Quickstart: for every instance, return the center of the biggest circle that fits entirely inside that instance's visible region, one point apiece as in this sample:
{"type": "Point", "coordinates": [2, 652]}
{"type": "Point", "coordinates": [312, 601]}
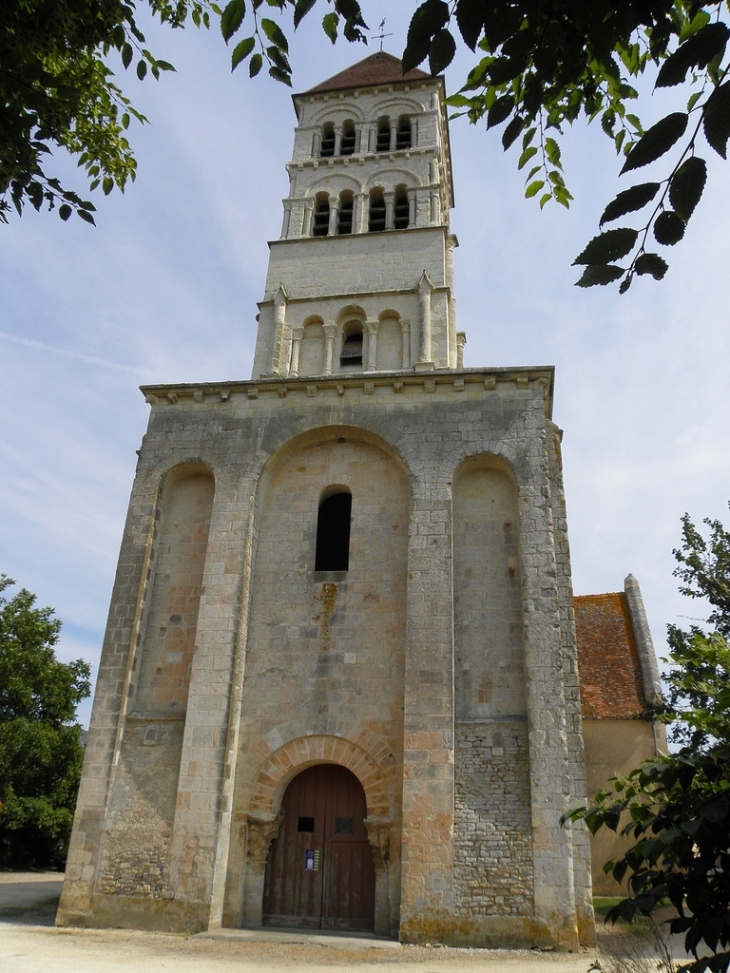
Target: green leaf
{"type": "Point", "coordinates": [86, 216]}
{"type": "Point", "coordinates": [241, 51]}
{"type": "Point", "coordinates": [301, 10]}
{"type": "Point", "coordinates": [500, 110]}
{"type": "Point", "coordinates": [629, 201]}
{"type": "Point", "coordinates": [697, 51]}
{"type": "Point", "coordinates": [534, 188]}
{"type": "Point", "coordinates": [431, 17]}
{"type": "Point", "coordinates": [656, 141]}
{"type": "Point", "coordinates": [443, 49]}
{"type": "Point", "coordinates": [552, 150]}
{"type": "Point", "coordinates": [545, 199]}
{"type": "Point", "coordinates": [65, 211]}
{"type": "Point", "coordinates": [687, 186]}
{"type": "Point", "coordinates": [329, 25]}
{"type": "Point", "coordinates": [668, 228]}
{"type": "Point", "coordinates": [254, 65]}
{"type": "Point", "coordinates": [512, 132]}
{"type": "Point", "coordinates": [127, 55]}
{"type": "Point", "coordinates": [141, 70]}
{"type": "Point", "coordinates": [274, 34]}
{"type": "Point", "coordinates": [278, 75]}
{"type": "Point", "coordinates": [608, 246]}
{"type": "Point", "coordinates": [470, 20]}
{"type": "Point", "coordinates": [526, 156]}
{"type": "Point", "coordinates": [601, 274]}
{"type": "Point", "coordinates": [232, 18]}
{"type": "Point", "coordinates": [651, 263]}
{"type": "Point", "coordinates": [716, 121]}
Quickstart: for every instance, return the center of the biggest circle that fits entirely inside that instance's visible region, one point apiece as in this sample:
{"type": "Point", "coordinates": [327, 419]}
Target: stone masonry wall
{"type": "Point", "coordinates": [493, 873]}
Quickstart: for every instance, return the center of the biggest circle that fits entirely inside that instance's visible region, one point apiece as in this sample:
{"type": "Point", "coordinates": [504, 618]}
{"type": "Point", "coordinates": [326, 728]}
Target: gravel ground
{"type": "Point", "coordinates": [29, 943]}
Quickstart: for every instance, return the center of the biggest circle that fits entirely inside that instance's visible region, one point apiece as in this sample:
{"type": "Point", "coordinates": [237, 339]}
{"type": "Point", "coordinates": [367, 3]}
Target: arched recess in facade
{"type": "Point", "coordinates": [314, 670]}
{"type": "Point", "coordinates": [142, 805]}
{"type": "Point", "coordinates": [493, 854]}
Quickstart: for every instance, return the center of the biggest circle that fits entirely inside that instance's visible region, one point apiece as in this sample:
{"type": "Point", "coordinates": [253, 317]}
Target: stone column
{"type": "Point", "coordinates": [405, 330]}
{"type": "Point", "coordinates": [411, 208]}
{"type": "Point", "coordinates": [338, 139]}
{"type": "Point", "coordinates": [334, 215]}
{"type": "Point", "coordinates": [393, 134]}
{"type": "Point", "coordinates": [414, 132]}
{"type": "Point", "coordinates": [316, 144]}
{"type": "Point", "coordinates": [296, 343]}
{"type": "Point", "coordinates": [389, 198]}
{"type": "Point", "coordinates": [330, 330]}
{"type": "Point", "coordinates": [435, 208]}
{"type": "Point", "coordinates": [307, 221]}
{"type": "Point", "coordinates": [425, 288]}
{"type": "Point", "coordinates": [261, 830]}
{"type": "Point", "coordinates": [379, 837]}
{"type": "Point", "coordinates": [460, 342]}
{"type": "Point", "coordinates": [359, 212]}
{"type": "Point", "coordinates": [286, 221]}
{"type": "Point", "coordinates": [279, 326]}
{"type": "Point", "coordinates": [372, 138]}
{"type": "Point", "coordinates": [371, 327]}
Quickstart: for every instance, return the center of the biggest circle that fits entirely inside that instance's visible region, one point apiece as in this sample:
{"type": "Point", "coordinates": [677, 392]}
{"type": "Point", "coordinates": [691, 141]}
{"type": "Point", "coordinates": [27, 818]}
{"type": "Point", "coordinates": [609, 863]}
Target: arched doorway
{"type": "Point", "coordinates": [320, 873]}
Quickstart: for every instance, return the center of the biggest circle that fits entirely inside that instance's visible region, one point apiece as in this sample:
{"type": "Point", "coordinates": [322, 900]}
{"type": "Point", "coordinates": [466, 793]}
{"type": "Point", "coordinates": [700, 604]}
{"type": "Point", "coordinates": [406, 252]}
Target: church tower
{"type": "Point", "coordinates": [338, 686]}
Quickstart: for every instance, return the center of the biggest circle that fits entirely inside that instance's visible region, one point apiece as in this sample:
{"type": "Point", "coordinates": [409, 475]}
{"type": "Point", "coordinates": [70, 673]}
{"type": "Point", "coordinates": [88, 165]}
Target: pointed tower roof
{"type": "Point", "coordinates": [378, 68]}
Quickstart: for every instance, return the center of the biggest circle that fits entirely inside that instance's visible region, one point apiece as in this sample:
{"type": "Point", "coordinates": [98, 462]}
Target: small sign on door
{"type": "Point", "coordinates": [311, 860]}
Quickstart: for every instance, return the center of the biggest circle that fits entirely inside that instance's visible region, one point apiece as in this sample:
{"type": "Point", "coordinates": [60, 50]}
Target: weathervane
{"type": "Point", "coordinates": [381, 35]}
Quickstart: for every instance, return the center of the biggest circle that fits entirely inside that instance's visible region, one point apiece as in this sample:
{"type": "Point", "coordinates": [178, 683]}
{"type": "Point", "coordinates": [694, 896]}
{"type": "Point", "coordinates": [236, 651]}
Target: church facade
{"type": "Point", "coordinates": [339, 684]}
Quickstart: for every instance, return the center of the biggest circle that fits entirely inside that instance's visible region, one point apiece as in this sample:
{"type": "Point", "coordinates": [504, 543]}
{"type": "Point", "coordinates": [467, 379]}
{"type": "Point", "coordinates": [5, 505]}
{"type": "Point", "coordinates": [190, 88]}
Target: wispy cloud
{"type": "Point", "coordinates": [74, 355]}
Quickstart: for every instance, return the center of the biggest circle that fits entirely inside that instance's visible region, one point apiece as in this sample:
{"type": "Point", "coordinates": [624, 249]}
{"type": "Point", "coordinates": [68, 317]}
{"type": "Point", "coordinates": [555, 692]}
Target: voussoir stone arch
{"type": "Point", "coordinates": [388, 179]}
{"type": "Point", "coordinates": [334, 184]}
{"type": "Point", "coordinates": [294, 756]}
{"type": "Point", "coordinates": [344, 112]}
{"type": "Point", "coordinates": [398, 105]}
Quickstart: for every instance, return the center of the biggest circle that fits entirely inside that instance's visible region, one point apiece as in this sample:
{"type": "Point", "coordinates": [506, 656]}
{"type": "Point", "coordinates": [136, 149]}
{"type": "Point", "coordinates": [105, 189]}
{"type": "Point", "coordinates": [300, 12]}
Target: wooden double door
{"type": "Point", "coordinates": [320, 873]}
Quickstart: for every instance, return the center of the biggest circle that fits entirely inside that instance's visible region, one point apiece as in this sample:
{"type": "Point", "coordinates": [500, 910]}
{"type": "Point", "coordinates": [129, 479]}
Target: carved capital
{"type": "Point", "coordinates": [261, 830]}
{"type": "Point", "coordinates": [379, 837]}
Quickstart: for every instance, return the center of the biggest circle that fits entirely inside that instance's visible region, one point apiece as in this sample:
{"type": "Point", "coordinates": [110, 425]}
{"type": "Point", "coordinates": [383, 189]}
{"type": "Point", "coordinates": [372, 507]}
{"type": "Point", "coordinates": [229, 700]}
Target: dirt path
{"type": "Point", "coordinates": [29, 943]}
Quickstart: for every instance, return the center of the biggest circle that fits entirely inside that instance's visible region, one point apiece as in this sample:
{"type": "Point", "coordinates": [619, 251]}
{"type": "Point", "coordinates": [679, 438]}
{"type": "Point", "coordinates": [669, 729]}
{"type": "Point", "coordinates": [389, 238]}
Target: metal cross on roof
{"type": "Point", "coordinates": [381, 35]}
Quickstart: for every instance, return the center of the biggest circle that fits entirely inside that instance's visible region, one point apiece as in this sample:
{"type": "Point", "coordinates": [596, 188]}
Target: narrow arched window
{"type": "Point", "coordinates": [403, 136]}
{"type": "Point", "coordinates": [347, 146]}
{"type": "Point", "coordinates": [383, 141]}
{"type": "Point", "coordinates": [321, 215]}
{"type": "Point", "coordinates": [351, 354]}
{"type": "Point", "coordinates": [344, 216]}
{"type": "Point", "coordinates": [333, 532]}
{"type": "Point", "coordinates": [376, 220]}
{"type": "Point", "coordinates": [327, 145]}
{"type": "Point", "coordinates": [401, 210]}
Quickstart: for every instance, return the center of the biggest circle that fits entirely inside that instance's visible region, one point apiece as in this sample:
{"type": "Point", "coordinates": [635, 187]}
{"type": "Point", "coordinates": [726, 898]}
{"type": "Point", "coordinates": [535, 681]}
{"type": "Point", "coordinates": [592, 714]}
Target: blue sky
{"type": "Point", "coordinates": [164, 289]}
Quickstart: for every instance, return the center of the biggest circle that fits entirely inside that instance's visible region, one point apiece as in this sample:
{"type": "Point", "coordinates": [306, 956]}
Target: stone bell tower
{"type": "Point", "coordinates": [338, 687]}
{"type": "Point", "coordinates": [341, 295]}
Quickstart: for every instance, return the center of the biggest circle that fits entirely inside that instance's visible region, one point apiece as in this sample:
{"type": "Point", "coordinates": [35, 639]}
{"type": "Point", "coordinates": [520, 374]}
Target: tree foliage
{"type": "Point", "coordinates": [677, 807]}
{"type": "Point", "coordinates": [542, 65]}
{"type": "Point", "coordinates": [40, 750]}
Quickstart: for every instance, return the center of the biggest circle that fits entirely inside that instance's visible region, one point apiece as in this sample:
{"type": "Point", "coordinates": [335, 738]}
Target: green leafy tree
{"type": "Point", "coordinates": [541, 65]}
{"type": "Point", "coordinates": [677, 807]}
{"type": "Point", "coordinates": [40, 750]}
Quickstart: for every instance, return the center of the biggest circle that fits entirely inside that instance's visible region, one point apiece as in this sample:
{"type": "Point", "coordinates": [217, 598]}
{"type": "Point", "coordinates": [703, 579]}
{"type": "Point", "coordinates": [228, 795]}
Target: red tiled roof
{"type": "Point", "coordinates": [611, 684]}
{"type": "Point", "coordinates": [378, 68]}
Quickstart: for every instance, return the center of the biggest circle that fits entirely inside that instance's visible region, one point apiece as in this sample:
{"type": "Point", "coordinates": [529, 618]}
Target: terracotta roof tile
{"type": "Point", "coordinates": [378, 68]}
{"type": "Point", "coordinates": [611, 684]}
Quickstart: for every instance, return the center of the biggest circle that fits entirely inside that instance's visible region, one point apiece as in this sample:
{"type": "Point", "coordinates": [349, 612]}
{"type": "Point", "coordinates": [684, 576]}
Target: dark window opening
{"type": "Point", "coordinates": [352, 350]}
{"type": "Point", "coordinates": [376, 222]}
{"type": "Point", "coordinates": [327, 146]}
{"type": "Point", "coordinates": [344, 217]}
{"type": "Point", "coordinates": [383, 141]}
{"type": "Point", "coordinates": [333, 533]}
{"type": "Point", "coordinates": [305, 824]}
{"type": "Point", "coordinates": [347, 146]}
{"type": "Point", "coordinates": [344, 825]}
{"type": "Point", "coordinates": [401, 214]}
{"type": "Point", "coordinates": [321, 218]}
{"type": "Point", "coordinates": [403, 136]}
